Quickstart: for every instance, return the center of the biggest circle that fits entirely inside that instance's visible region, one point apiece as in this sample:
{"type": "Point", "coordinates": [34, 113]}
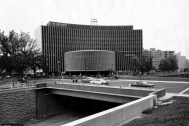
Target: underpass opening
{"type": "Point", "coordinates": [69, 108]}
{"type": "Point", "coordinates": [52, 99]}
{"type": "Point", "coordinates": [88, 106]}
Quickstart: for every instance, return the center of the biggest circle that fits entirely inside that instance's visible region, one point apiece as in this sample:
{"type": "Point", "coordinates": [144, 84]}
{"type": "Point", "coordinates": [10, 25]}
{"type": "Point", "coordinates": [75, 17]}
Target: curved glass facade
{"type": "Point", "coordinates": [59, 38]}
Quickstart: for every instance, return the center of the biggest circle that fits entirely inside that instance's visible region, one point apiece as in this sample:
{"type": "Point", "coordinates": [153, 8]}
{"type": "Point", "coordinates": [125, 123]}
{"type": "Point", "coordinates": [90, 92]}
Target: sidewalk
{"type": "Point", "coordinates": [168, 95]}
{"type": "Point", "coordinates": [184, 93]}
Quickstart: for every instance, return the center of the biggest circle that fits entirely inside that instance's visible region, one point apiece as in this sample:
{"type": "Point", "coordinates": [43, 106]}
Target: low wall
{"type": "Point", "coordinates": [48, 104]}
{"type": "Point", "coordinates": [17, 105]}
{"type": "Point", "coordinates": [116, 116]}
{"type": "Point", "coordinates": [160, 93]}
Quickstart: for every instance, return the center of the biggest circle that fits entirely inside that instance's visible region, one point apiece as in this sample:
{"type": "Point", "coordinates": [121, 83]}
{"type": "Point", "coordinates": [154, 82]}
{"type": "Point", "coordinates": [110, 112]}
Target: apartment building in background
{"type": "Point", "coordinates": [158, 55]}
{"type": "Point", "coordinates": [187, 63]}
{"type": "Point", "coordinates": [166, 54]}
{"type": "Point", "coordinates": [181, 61]}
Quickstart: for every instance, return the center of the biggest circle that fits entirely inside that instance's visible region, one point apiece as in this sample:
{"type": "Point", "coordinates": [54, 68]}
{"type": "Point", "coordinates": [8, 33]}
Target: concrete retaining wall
{"type": "Point", "coordinates": [160, 93]}
{"type": "Point", "coordinates": [116, 116]}
{"type": "Point", "coordinates": [17, 105]}
{"type": "Point", "coordinates": [48, 104]}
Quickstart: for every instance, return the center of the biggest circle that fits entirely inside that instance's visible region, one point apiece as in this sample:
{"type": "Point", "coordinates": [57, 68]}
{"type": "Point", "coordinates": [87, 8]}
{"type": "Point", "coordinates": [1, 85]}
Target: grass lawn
{"type": "Point", "coordinates": [175, 114]}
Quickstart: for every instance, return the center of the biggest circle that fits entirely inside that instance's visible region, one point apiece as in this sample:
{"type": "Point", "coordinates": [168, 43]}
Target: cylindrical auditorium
{"type": "Point", "coordinates": [89, 61]}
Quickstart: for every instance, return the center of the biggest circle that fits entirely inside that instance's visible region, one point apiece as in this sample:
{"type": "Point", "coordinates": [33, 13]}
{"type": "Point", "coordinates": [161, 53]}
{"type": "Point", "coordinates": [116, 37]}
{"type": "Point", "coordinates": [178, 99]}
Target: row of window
{"type": "Point", "coordinates": [90, 33]}
{"type": "Point", "coordinates": [97, 39]}
{"type": "Point", "coordinates": [59, 44]}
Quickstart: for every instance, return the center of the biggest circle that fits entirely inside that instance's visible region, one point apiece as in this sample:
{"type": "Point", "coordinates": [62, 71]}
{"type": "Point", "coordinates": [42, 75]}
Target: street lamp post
{"type": "Point", "coordinates": [85, 66]}
{"type": "Point", "coordinates": [58, 67]}
{"type": "Point", "coordinates": [46, 67]}
{"type": "Point", "coordinates": [87, 69]}
{"type": "Point", "coordinates": [99, 70]}
{"type": "Point", "coordinates": [58, 70]}
{"type": "Point", "coordinates": [13, 77]}
{"type": "Point", "coordinates": [111, 70]}
{"type": "Point", "coordinates": [12, 70]}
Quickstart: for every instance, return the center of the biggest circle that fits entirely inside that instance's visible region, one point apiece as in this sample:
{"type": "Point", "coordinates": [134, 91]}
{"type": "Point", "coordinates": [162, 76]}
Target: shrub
{"type": "Point", "coordinates": [147, 111]}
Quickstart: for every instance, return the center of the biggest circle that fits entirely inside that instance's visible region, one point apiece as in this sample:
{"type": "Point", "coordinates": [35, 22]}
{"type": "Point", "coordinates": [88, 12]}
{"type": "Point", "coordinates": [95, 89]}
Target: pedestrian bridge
{"type": "Point", "coordinates": [100, 92]}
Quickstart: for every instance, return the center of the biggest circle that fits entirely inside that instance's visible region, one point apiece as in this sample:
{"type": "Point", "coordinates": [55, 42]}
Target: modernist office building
{"type": "Point", "coordinates": [58, 38]}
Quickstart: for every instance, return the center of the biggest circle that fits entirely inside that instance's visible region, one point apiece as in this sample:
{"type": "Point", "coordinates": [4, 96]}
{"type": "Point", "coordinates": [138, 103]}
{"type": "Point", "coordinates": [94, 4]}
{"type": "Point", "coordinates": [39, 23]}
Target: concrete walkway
{"type": "Point", "coordinates": [182, 94]}
{"type": "Point", "coordinates": [168, 95]}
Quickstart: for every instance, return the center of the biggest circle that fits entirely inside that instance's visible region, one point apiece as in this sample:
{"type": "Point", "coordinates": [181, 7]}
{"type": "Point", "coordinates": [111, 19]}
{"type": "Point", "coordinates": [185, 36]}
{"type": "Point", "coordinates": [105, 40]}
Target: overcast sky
{"type": "Point", "coordinates": [165, 23]}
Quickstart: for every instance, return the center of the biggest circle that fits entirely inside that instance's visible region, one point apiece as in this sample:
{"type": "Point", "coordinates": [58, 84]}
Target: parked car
{"type": "Point", "coordinates": [26, 77]}
{"type": "Point", "coordinates": [99, 81]}
{"type": "Point", "coordinates": [7, 76]}
{"type": "Point", "coordinates": [22, 80]}
{"type": "Point", "coordinates": [142, 84]}
{"type": "Point", "coordinates": [87, 80]}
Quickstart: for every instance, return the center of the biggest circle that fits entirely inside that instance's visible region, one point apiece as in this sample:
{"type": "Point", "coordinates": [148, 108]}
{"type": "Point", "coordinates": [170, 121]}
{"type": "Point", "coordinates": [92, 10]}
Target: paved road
{"type": "Point", "coordinates": [170, 86]}
{"type": "Point", "coordinates": [57, 120]}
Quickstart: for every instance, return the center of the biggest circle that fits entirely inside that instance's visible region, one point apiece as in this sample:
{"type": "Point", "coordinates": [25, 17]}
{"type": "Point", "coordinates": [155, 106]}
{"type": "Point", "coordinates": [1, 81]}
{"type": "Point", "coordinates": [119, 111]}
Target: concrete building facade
{"type": "Point", "coordinates": [187, 63]}
{"type": "Point", "coordinates": [166, 54]}
{"type": "Point", "coordinates": [181, 60]}
{"type": "Point", "coordinates": [58, 38]}
{"type": "Point", "coordinates": [157, 57]}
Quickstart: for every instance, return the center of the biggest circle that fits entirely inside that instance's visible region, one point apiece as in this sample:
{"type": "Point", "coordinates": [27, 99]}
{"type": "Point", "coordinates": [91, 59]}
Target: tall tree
{"type": "Point", "coordinates": [21, 49]}
{"type": "Point", "coordinates": [37, 61]}
{"type": "Point", "coordinates": [168, 64]}
{"type": "Point", "coordinates": [143, 63]}
{"type": "Point", "coordinates": [186, 69]}
{"type": "Point", "coordinates": [8, 44]}
{"type": "Point", "coordinates": [173, 63]}
{"type": "Point", "coordinates": [5, 66]}
{"type": "Point", "coordinates": [164, 65]}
